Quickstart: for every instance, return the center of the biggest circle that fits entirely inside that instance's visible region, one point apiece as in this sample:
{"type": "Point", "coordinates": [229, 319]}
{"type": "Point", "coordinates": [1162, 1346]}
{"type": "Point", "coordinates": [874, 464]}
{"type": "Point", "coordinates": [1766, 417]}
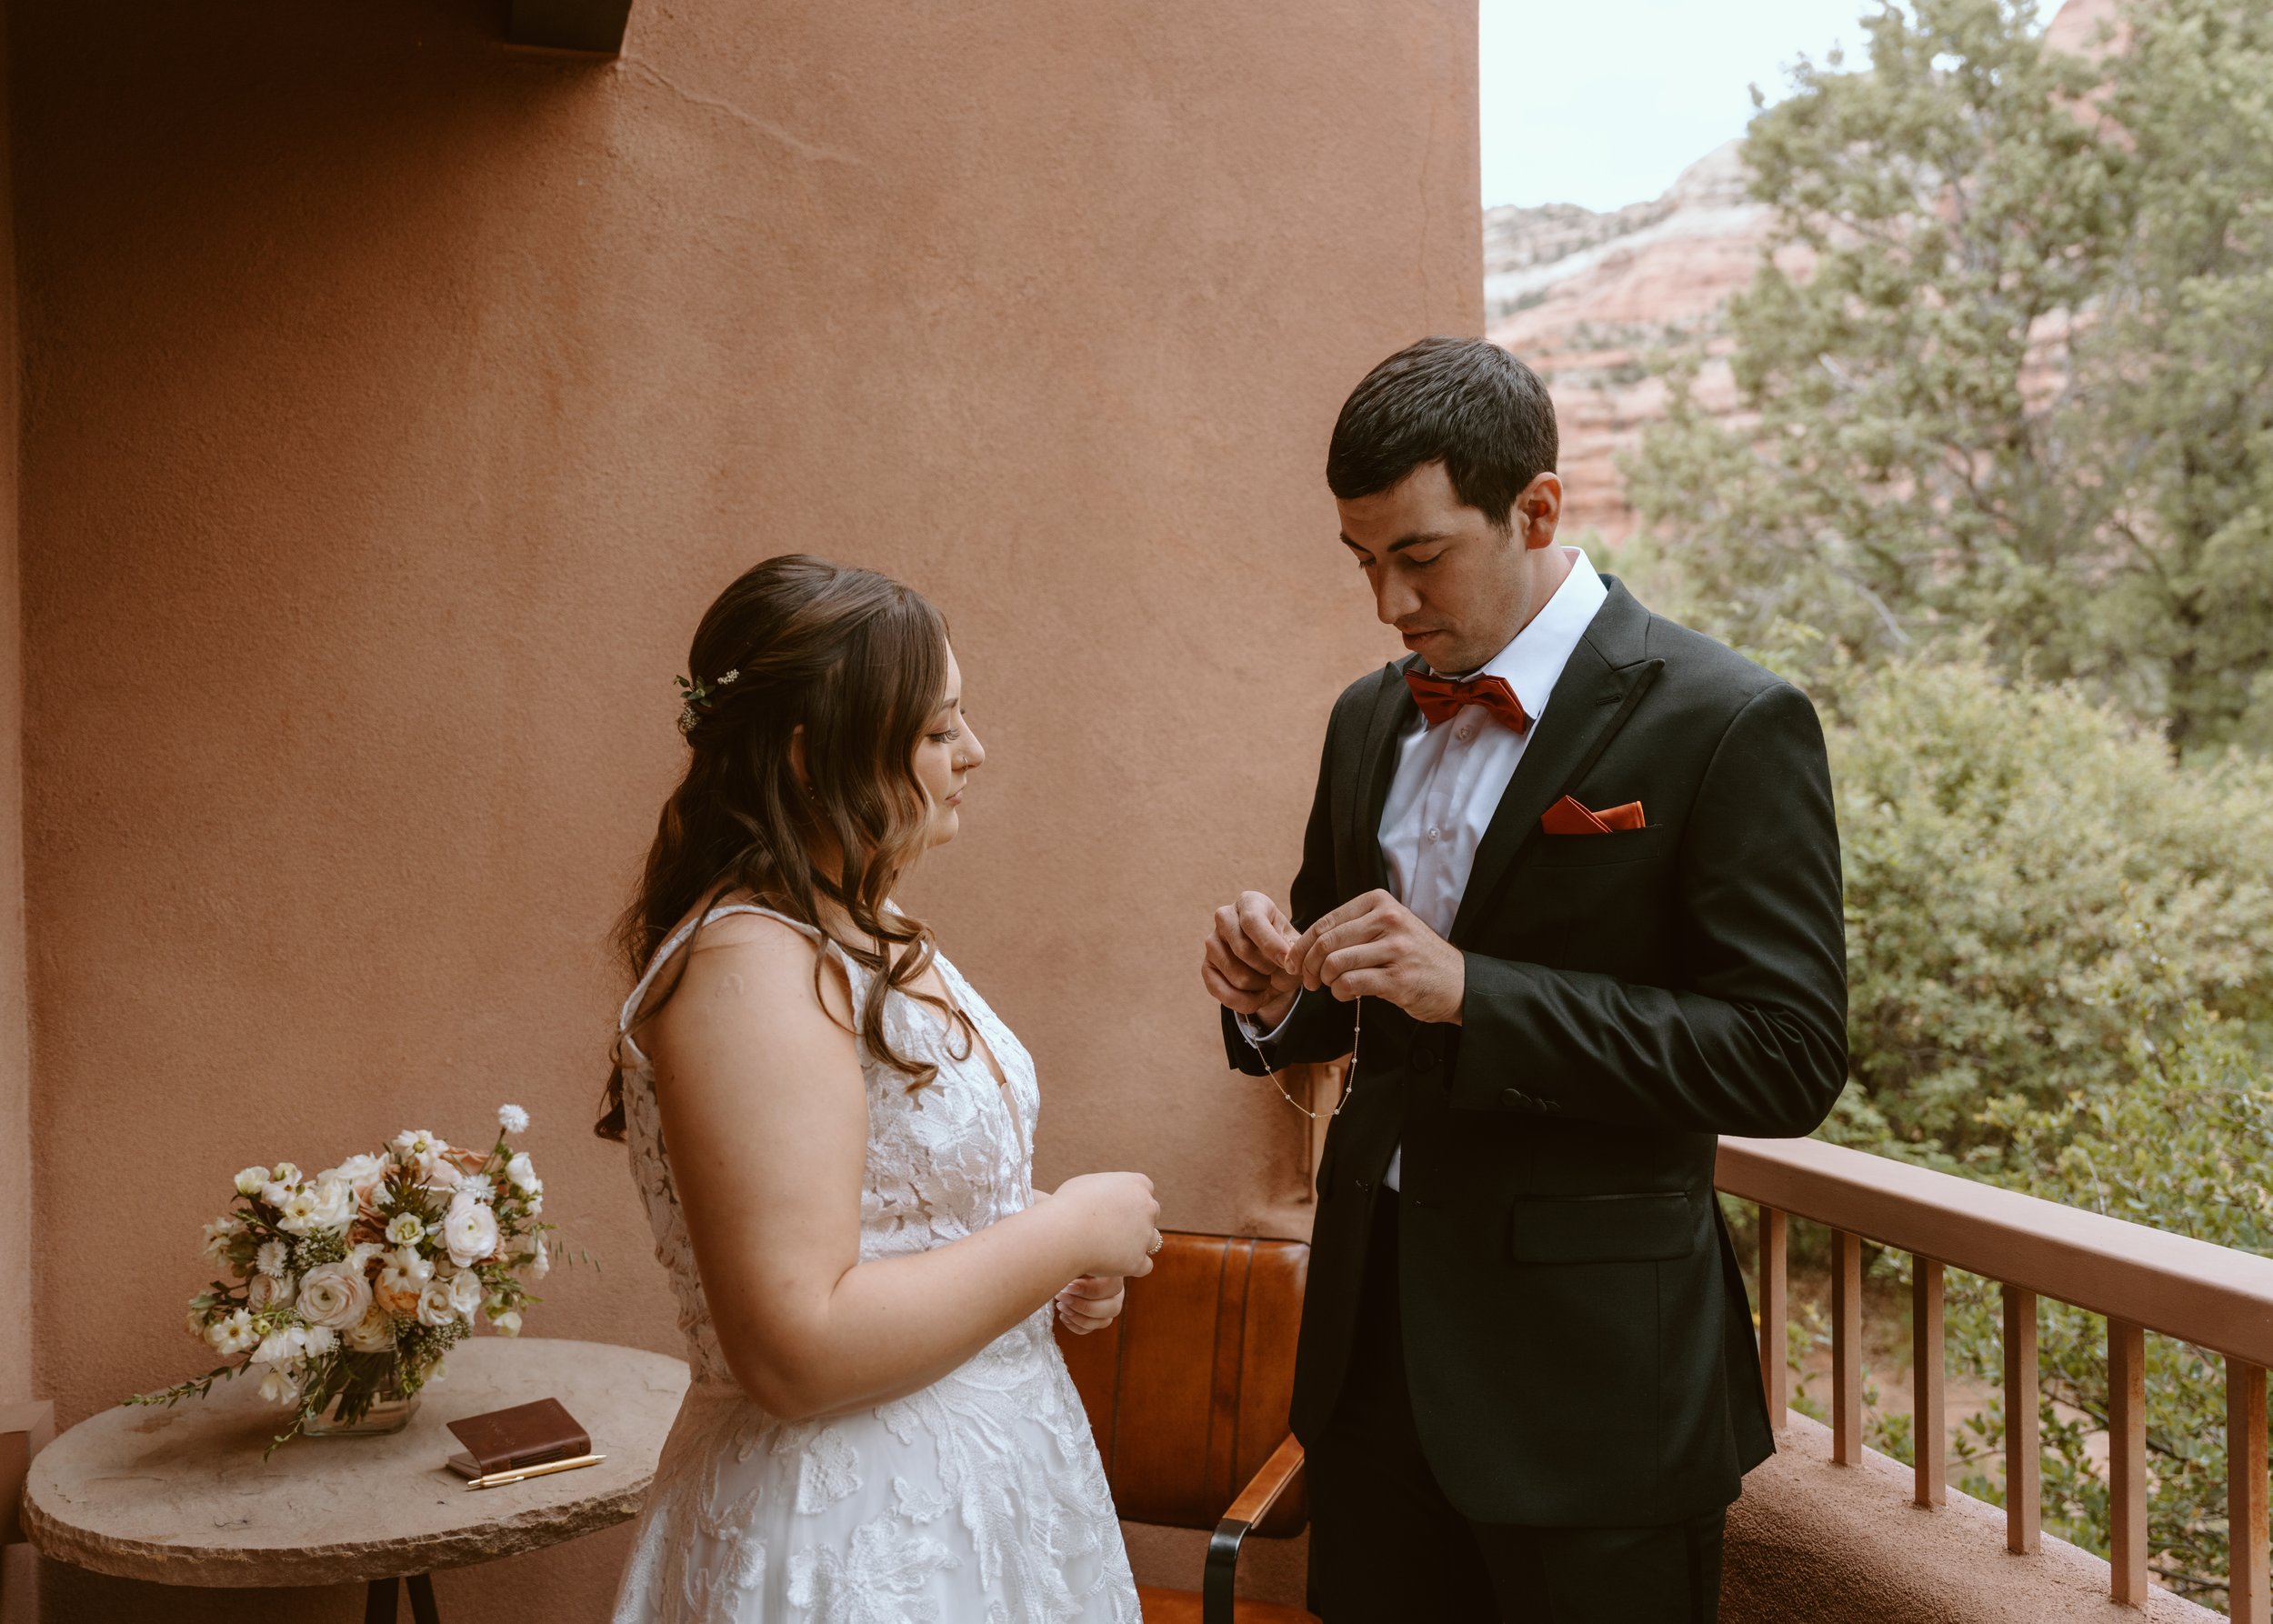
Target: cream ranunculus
{"type": "Point", "coordinates": [334, 1295]}
{"type": "Point", "coordinates": [374, 1333]}
{"type": "Point", "coordinates": [249, 1181]}
{"type": "Point", "coordinates": [361, 1173]}
{"type": "Point", "coordinates": [523, 1172]}
{"type": "Point", "coordinates": [466, 1292]}
{"type": "Point", "coordinates": [435, 1307]}
{"type": "Point", "coordinates": [266, 1290]}
{"type": "Point", "coordinates": [469, 1230]}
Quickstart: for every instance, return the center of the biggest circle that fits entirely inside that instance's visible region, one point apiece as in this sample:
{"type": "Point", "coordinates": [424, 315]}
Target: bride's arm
{"type": "Point", "coordinates": [766, 1119]}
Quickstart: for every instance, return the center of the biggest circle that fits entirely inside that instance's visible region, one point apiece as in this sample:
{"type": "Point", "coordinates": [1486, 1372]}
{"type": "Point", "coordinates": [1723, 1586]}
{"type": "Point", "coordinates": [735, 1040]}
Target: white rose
{"type": "Point", "coordinates": [513, 1118]}
{"type": "Point", "coordinates": [466, 1292]}
{"type": "Point", "coordinates": [523, 1172]}
{"type": "Point", "coordinates": [508, 1323]}
{"type": "Point", "coordinates": [435, 1307]}
{"type": "Point", "coordinates": [249, 1181]}
{"type": "Point", "coordinates": [470, 1232]}
{"type": "Point", "coordinates": [334, 1295]}
{"type": "Point", "coordinates": [279, 1388]}
{"type": "Point", "coordinates": [405, 1229]}
{"type": "Point", "coordinates": [374, 1333]}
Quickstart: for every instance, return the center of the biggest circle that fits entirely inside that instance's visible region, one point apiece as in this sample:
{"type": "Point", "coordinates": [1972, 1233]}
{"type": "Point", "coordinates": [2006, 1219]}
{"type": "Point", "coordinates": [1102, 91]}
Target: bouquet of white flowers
{"type": "Point", "coordinates": [351, 1284]}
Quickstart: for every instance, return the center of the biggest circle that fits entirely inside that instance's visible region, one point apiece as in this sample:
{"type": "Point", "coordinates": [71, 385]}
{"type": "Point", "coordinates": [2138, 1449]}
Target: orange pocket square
{"type": "Point", "coordinates": [1569, 817]}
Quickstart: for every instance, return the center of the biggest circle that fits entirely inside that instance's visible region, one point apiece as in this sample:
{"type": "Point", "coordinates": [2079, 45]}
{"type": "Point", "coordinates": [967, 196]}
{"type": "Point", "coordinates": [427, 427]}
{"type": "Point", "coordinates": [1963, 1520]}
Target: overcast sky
{"type": "Point", "coordinates": [1602, 101]}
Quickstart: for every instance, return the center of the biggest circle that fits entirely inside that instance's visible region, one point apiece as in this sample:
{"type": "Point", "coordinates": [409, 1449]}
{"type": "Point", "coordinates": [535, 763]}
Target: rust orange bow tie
{"type": "Point", "coordinates": [1441, 698]}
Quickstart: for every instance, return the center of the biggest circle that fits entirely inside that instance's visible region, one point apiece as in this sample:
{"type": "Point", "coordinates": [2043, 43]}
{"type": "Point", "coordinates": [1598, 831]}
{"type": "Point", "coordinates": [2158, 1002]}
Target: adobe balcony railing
{"type": "Point", "coordinates": [2141, 1280]}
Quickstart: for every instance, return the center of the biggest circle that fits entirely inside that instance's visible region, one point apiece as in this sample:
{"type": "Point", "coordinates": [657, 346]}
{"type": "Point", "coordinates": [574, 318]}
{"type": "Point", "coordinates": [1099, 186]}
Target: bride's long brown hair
{"type": "Point", "coordinates": [860, 662]}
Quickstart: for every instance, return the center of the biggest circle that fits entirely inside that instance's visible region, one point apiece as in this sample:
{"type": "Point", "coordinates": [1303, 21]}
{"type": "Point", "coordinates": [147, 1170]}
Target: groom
{"type": "Point", "coordinates": [1572, 880]}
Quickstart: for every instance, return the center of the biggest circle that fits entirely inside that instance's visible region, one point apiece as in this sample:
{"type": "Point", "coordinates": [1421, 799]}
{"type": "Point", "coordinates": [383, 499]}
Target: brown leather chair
{"type": "Point", "coordinates": [1188, 1394]}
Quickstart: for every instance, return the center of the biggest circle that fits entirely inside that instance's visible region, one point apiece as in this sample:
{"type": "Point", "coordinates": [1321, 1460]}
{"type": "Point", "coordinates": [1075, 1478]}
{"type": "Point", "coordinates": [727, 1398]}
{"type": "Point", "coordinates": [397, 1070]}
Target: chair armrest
{"type": "Point", "coordinates": [1280, 1473]}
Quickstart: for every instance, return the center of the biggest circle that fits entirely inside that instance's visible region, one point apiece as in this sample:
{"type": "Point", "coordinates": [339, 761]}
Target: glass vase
{"type": "Point", "coordinates": [365, 1412]}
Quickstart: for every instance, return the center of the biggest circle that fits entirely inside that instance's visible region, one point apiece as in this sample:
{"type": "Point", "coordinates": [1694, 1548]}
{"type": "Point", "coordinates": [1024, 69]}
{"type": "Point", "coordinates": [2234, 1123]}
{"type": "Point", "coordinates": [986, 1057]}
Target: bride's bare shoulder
{"type": "Point", "coordinates": [740, 961]}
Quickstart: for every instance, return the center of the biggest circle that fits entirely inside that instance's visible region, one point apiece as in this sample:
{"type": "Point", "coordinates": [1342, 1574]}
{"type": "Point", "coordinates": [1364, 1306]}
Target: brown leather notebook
{"type": "Point", "coordinates": [504, 1440]}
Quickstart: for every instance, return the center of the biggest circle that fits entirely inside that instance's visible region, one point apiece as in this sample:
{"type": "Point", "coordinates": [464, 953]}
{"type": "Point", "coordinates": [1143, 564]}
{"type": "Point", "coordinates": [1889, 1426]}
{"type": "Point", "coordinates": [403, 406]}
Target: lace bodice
{"type": "Point", "coordinates": [943, 1160]}
{"type": "Point", "coordinates": [978, 1499]}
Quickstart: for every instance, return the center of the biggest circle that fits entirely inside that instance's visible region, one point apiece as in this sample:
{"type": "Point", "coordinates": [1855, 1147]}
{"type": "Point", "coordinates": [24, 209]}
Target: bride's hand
{"type": "Point", "coordinates": [1117, 1217]}
{"type": "Point", "coordinates": [1091, 1303]}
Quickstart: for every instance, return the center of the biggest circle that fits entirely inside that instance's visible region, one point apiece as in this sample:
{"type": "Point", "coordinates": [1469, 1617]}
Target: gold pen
{"type": "Point", "coordinates": [496, 1479]}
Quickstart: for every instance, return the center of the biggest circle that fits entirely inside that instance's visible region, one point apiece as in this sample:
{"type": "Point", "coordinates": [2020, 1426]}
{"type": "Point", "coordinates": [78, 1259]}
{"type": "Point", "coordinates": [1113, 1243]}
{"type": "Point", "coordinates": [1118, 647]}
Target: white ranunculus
{"type": "Point", "coordinates": [523, 1172]}
{"type": "Point", "coordinates": [469, 1230]}
{"type": "Point", "coordinates": [234, 1334]}
{"type": "Point", "coordinates": [359, 1172]}
{"type": "Point", "coordinates": [249, 1181]}
{"type": "Point", "coordinates": [508, 1323]}
{"type": "Point", "coordinates": [279, 1388]}
{"type": "Point", "coordinates": [466, 1292]}
{"type": "Point", "coordinates": [374, 1333]}
{"type": "Point", "coordinates": [435, 1307]}
{"type": "Point", "coordinates": [513, 1118]}
{"type": "Point", "coordinates": [265, 1291]}
{"type": "Point", "coordinates": [334, 1295]}
{"type": "Point", "coordinates": [335, 1205]}
{"type": "Point", "coordinates": [405, 1229]}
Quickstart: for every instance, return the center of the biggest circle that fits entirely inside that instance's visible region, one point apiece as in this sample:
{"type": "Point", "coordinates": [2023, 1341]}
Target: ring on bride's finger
{"type": "Point", "coordinates": [1158, 1240]}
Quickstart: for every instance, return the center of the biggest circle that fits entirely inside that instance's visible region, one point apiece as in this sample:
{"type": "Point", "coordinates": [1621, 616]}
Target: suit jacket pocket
{"type": "Point", "coordinates": [1603, 1230]}
{"type": "Point", "coordinates": [1588, 851]}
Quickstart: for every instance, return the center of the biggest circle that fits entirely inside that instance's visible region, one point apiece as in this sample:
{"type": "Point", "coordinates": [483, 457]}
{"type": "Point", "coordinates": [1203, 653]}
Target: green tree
{"type": "Point", "coordinates": [2007, 372]}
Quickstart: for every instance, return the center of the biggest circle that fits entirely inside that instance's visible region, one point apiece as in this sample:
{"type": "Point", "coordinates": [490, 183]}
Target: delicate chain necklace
{"type": "Point", "coordinates": [1349, 1078]}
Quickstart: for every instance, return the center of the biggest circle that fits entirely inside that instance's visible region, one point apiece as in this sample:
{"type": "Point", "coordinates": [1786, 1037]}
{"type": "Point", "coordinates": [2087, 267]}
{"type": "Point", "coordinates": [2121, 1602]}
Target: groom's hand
{"type": "Point", "coordinates": [1374, 947]}
{"type": "Point", "coordinates": [1245, 964]}
{"type": "Point", "coordinates": [1091, 1303]}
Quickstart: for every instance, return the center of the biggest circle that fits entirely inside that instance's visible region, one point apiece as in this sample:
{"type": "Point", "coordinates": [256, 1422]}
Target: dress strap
{"type": "Point", "coordinates": [679, 938]}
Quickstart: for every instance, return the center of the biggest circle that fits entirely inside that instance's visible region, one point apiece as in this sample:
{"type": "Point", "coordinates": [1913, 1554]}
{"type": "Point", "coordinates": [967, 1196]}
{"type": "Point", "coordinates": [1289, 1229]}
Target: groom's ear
{"type": "Point", "coordinates": [1538, 510]}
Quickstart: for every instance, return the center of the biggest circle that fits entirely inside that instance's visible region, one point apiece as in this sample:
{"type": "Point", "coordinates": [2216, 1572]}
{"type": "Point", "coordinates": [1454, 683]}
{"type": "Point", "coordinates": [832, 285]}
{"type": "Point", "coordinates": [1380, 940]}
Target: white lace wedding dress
{"type": "Point", "coordinates": [979, 1499]}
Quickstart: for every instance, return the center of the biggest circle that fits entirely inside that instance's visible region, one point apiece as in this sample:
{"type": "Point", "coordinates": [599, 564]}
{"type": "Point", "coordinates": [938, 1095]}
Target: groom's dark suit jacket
{"type": "Point", "coordinates": [1576, 1337]}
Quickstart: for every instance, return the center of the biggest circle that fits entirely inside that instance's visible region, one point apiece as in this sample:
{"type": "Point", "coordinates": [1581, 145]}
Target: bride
{"type": "Point", "coordinates": [833, 1138]}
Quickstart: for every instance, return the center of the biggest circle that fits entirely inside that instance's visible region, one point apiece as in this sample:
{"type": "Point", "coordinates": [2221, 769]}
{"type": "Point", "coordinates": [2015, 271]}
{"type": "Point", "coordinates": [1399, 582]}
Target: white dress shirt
{"type": "Point", "coordinates": [1450, 778]}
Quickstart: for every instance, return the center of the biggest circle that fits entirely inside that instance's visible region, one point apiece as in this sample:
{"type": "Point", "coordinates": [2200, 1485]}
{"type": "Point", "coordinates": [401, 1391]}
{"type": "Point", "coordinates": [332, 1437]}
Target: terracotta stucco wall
{"type": "Point", "coordinates": [16, 1079]}
{"type": "Point", "coordinates": [393, 403]}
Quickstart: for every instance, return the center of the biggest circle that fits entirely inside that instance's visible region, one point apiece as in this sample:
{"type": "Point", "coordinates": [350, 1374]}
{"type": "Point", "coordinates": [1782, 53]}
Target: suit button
{"type": "Point", "coordinates": [1364, 1186]}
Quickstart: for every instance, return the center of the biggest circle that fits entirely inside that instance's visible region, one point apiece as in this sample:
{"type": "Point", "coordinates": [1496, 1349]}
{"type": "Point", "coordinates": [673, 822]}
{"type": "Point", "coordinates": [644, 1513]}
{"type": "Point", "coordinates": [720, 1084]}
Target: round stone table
{"type": "Point", "coordinates": [181, 1497]}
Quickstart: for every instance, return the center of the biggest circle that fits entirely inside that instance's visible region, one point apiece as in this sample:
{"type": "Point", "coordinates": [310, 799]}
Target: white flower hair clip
{"type": "Point", "coordinates": [695, 697]}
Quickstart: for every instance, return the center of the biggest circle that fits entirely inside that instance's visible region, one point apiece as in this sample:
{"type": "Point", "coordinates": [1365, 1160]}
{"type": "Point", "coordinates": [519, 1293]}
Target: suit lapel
{"type": "Point", "coordinates": [1393, 708]}
{"type": "Point", "coordinates": [1604, 678]}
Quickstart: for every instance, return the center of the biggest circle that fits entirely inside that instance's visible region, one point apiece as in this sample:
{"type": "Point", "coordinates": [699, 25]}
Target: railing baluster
{"type": "Point", "coordinates": [1847, 1348]}
{"type": "Point", "coordinates": [2023, 1470]}
{"type": "Point", "coordinates": [2127, 1462]}
{"type": "Point", "coordinates": [1931, 1430]}
{"type": "Point", "coordinates": [2246, 1555]}
{"type": "Point", "coordinates": [1775, 1375]}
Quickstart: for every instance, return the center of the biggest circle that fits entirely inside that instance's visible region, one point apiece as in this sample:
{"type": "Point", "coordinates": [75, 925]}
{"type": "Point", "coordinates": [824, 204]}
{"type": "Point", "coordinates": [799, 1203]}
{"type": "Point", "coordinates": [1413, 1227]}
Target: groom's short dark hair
{"type": "Point", "coordinates": [1463, 402]}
